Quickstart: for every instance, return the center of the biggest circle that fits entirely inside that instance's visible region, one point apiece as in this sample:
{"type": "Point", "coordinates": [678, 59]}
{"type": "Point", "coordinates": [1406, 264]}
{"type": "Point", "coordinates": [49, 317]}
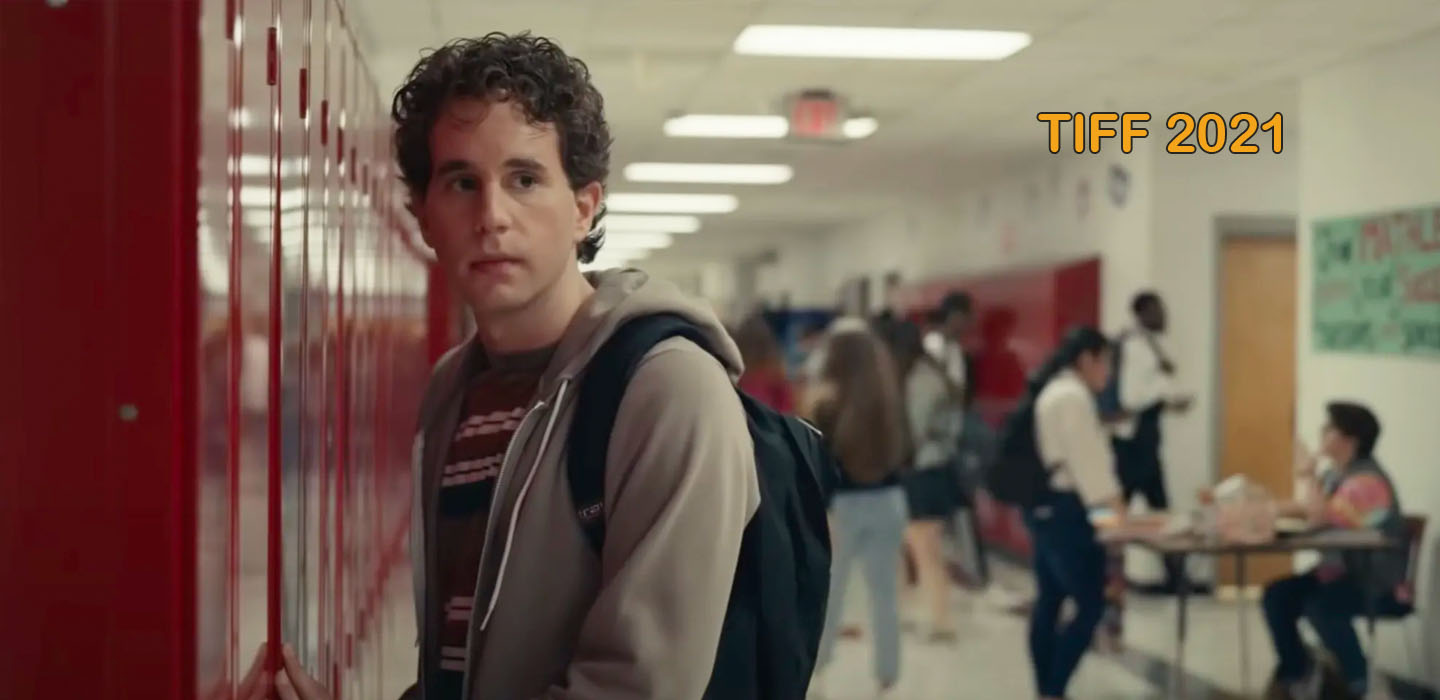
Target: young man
{"type": "Point", "coordinates": [949, 324]}
{"type": "Point", "coordinates": [503, 143]}
{"type": "Point", "coordinates": [1146, 382]}
{"type": "Point", "coordinates": [1354, 493]}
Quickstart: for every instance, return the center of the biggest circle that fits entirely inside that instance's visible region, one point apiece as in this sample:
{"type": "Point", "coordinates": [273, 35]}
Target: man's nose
{"type": "Point", "coordinates": [494, 213]}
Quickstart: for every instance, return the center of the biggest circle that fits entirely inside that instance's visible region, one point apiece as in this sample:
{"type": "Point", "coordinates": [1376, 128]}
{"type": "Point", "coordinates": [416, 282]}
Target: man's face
{"type": "Point", "coordinates": [498, 211]}
{"type": "Point", "coordinates": [957, 324]}
{"type": "Point", "coordinates": [1153, 317]}
{"type": "Point", "coordinates": [1335, 445]}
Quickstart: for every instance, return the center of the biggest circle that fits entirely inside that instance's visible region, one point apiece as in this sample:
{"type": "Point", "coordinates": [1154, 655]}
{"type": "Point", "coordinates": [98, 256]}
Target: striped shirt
{"type": "Point", "coordinates": [494, 406]}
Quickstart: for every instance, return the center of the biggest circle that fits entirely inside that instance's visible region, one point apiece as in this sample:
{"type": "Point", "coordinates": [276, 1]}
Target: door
{"type": "Point", "coordinates": [1257, 376]}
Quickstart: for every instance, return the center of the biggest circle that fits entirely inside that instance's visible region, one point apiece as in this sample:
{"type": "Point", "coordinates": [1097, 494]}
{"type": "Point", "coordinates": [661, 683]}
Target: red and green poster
{"type": "Point", "coordinates": [1377, 283]}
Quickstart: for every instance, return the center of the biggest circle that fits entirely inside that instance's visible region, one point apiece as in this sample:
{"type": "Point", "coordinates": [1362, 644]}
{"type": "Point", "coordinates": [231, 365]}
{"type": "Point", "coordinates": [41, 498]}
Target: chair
{"type": "Point", "coordinates": [1403, 605]}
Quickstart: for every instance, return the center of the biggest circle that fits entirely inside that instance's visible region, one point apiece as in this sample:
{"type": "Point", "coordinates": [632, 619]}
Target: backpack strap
{"type": "Point", "coordinates": [601, 389]}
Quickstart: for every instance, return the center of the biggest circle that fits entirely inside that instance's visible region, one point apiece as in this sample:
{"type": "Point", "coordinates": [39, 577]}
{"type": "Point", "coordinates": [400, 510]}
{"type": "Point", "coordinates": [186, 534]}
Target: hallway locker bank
{"type": "Point", "coordinates": [216, 321]}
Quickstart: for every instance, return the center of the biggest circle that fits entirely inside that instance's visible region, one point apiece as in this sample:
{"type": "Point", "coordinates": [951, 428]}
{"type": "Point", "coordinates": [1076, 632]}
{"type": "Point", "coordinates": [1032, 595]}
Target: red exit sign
{"type": "Point", "coordinates": [816, 114]}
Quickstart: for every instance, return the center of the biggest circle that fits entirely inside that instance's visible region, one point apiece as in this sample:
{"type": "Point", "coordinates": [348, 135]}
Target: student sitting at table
{"type": "Point", "coordinates": [1355, 493]}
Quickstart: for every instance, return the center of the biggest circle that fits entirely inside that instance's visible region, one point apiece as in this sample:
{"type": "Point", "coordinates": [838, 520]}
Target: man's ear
{"type": "Point", "coordinates": [587, 204]}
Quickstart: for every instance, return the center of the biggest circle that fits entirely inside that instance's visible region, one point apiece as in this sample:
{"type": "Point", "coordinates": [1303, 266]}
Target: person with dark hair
{"type": "Point", "coordinates": [1355, 492]}
{"type": "Point", "coordinates": [932, 403]}
{"type": "Point", "coordinates": [1069, 561]}
{"type": "Point", "coordinates": [858, 408]}
{"type": "Point", "coordinates": [1145, 388]}
{"type": "Point", "coordinates": [765, 377]}
{"type": "Point", "coordinates": [949, 322]}
{"type": "Point", "coordinates": [503, 145]}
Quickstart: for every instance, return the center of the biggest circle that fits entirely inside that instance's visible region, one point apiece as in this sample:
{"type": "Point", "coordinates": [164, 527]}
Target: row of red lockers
{"type": "Point", "coordinates": [212, 372]}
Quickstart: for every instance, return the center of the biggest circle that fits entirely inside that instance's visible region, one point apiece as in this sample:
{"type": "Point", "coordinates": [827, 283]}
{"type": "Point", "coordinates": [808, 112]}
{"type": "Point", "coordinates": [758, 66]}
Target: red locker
{"type": "Point", "coordinates": [223, 332]}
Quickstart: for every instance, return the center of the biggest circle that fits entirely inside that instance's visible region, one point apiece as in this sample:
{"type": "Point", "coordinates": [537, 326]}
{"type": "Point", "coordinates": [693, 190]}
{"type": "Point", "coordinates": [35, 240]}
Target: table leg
{"type": "Point", "coordinates": [1182, 598]}
{"type": "Point", "coordinates": [1244, 628]}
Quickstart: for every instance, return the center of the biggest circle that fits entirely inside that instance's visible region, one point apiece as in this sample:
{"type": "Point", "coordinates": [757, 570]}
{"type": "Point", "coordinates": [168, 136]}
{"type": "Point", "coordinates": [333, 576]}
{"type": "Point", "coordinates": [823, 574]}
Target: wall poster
{"type": "Point", "coordinates": [1377, 283]}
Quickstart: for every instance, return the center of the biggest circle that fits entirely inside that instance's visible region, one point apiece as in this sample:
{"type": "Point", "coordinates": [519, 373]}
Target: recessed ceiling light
{"type": "Point", "coordinates": [656, 223]}
{"type": "Point", "coordinates": [752, 126]}
{"type": "Point", "coordinates": [732, 126]}
{"type": "Point", "coordinates": [860, 127]}
{"type": "Point", "coordinates": [672, 203]}
{"type": "Point", "coordinates": [710, 173]}
{"type": "Point", "coordinates": [879, 42]}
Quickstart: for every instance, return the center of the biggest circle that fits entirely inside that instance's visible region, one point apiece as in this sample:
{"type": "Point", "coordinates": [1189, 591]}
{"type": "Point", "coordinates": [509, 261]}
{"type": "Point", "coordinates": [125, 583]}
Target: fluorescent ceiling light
{"type": "Point", "coordinates": [751, 126]}
{"type": "Point", "coordinates": [263, 196]}
{"type": "Point", "coordinates": [636, 240]}
{"type": "Point", "coordinates": [879, 42]}
{"type": "Point", "coordinates": [710, 173]}
{"type": "Point", "coordinates": [658, 223]}
{"type": "Point", "coordinates": [860, 127]}
{"type": "Point", "coordinates": [672, 203]}
{"type": "Point", "coordinates": [731, 126]}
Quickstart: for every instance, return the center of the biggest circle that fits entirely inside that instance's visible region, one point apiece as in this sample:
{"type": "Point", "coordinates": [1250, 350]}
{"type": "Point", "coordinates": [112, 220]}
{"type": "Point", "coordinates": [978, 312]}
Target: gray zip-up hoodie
{"type": "Point", "coordinates": [551, 619]}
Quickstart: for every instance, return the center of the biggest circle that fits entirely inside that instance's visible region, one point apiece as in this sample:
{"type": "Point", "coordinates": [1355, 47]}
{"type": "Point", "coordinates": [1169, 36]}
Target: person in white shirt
{"type": "Point", "coordinates": [1146, 385]}
{"type": "Point", "coordinates": [949, 323]}
{"type": "Point", "coordinates": [1069, 561]}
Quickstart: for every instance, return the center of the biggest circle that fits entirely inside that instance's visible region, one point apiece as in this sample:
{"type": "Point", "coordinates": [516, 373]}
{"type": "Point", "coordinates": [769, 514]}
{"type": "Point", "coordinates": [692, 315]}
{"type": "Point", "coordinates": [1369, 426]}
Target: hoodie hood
{"type": "Point", "coordinates": [621, 295]}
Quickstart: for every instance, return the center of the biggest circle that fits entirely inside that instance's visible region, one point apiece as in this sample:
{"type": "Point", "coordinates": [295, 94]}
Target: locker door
{"type": "Point", "coordinates": [252, 246]}
{"type": "Point", "coordinates": [215, 654]}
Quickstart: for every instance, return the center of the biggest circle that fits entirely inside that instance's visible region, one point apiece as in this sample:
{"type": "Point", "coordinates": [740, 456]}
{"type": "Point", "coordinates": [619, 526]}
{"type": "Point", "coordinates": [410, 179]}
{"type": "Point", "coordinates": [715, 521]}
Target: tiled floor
{"type": "Point", "coordinates": [989, 660]}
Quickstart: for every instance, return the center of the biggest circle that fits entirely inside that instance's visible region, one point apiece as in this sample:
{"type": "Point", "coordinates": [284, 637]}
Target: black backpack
{"type": "Point", "coordinates": [776, 613]}
{"type": "Point", "coordinates": [1016, 474]}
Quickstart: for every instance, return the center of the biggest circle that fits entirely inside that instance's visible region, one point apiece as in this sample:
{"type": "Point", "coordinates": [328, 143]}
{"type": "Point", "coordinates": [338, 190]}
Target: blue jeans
{"type": "Point", "coordinates": [870, 529]}
{"type": "Point", "coordinates": [1069, 563]}
{"type": "Point", "coordinates": [1330, 608]}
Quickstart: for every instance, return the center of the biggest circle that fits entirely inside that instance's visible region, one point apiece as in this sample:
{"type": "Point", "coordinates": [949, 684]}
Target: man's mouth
{"type": "Point", "coordinates": [492, 263]}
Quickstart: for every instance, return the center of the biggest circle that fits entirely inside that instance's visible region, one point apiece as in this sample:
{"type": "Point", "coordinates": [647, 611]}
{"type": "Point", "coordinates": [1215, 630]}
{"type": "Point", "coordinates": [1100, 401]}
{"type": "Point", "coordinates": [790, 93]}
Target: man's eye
{"type": "Point", "coordinates": [525, 181]}
{"type": "Point", "coordinates": [463, 184]}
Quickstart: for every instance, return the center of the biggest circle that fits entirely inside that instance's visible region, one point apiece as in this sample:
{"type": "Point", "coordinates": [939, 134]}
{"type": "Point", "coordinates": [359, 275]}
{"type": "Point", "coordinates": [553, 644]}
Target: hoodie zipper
{"type": "Point", "coordinates": [519, 438]}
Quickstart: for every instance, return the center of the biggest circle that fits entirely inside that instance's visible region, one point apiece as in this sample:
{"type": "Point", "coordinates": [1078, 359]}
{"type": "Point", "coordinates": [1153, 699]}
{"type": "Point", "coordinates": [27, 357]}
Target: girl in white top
{"type": "Point", "coordinates": [1069, 562]}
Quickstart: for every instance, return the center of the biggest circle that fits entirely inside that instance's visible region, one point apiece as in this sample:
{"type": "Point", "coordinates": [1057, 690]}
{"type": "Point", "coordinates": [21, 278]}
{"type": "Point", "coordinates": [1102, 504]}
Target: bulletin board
{"type": "Point", "coordinates": [1377, 283]}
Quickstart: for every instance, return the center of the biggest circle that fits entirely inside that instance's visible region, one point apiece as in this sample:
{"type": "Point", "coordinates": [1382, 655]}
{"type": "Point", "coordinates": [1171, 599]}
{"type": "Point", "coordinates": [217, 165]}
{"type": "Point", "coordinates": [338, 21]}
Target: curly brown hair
{"type": "Point", "coordinates": [549, 86]}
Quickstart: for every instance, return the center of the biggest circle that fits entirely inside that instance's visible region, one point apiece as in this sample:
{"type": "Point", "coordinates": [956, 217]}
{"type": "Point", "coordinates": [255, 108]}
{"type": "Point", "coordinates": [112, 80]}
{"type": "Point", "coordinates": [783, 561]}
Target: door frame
{"type": "Point", "coordinates": [1229, 227]}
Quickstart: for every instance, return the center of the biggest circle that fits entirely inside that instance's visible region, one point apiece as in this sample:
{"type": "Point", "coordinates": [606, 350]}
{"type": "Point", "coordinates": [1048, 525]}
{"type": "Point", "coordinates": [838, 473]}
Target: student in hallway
{"type": "Point", "coordinates": [1354, 493]}
{"type": "Point", "coordinates": [936, 419]}
{"type": "Point", "coordinates": [1069, 561]}
{"type": "Point", "coordinates": [765, 377]}
{"type": "Point", "coordinates": [949, 324]}
{"type": "Point", "coordinates": [858, 408]}
{"type": "Point", "coordinates": [503, 144]}
{"type": "Point", "coordinates": [1146, 391]}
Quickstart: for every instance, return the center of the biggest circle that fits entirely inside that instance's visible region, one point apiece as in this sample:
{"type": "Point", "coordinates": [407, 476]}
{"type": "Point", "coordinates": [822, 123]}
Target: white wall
{"type": "Point", "coordinates": [1030, 217]}
{"type": "Point", "coordinates": [1371, 144]}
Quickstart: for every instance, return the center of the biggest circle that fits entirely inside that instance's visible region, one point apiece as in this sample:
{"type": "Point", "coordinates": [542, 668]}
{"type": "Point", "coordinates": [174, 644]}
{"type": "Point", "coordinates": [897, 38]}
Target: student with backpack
{"type": "Point", "coordinates": [598, 512]}
{"type": "Point", "coordinates": [858, 408]}
{"type": "Point", "coordinates": [1055, 463]}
